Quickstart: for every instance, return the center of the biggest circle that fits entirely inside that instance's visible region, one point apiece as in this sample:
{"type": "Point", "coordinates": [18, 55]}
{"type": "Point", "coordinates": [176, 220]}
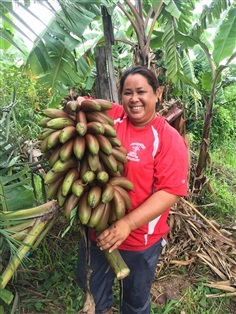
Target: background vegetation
{"type": "Point", "coordinates": [191, 51]}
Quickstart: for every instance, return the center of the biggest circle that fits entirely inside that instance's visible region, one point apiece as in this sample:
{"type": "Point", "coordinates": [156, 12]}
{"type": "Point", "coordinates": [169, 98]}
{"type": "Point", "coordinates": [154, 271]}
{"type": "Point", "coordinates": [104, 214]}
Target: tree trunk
{"type": "Point", "coordinates": [102, 82]}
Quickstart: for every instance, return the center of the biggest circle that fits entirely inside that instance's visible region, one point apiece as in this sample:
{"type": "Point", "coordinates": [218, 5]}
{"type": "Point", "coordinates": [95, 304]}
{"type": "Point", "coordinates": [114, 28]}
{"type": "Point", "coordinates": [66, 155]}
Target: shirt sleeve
{"type": "Point", "coordinates": [171, 163]}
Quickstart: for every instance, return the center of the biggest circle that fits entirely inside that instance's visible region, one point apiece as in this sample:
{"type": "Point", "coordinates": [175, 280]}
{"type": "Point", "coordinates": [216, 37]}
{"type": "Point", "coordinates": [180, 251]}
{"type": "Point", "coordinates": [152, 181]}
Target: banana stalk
{"type": "Point", "coordinates": [117, 264]}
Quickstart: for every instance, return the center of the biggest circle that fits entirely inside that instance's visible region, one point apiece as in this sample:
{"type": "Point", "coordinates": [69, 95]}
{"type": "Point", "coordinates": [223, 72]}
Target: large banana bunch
{"type": "Point", "coordinates": [87, 162]}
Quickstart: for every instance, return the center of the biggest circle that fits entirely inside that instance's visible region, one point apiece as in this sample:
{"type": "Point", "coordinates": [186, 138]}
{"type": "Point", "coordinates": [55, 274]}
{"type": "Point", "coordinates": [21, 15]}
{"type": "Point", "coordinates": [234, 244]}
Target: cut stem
{"type": "Point", "coordinates": [117, 264]}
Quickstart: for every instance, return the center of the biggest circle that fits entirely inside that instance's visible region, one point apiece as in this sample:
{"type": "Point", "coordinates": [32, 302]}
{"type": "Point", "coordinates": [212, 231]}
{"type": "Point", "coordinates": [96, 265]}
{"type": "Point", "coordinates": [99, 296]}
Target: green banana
{"type": "Point", "coordinates": [92, 143]}
{"type": "Point", "coordinates": [94, 127]}
{"type": "Point", "coordinates": [78, 188]}
{"type": "Point", "coordinates": [71, 176]}
{"type": "Point", "coordinates": [44, 145]}
{"type": "Point", "coordinates": [108, 191]}
{"type": "Point", "coordinates": [60, 165]}
{"type": "Point", "coordinates": [88, 177]}
{"type": "Point", "coordinates": [67, 133]}
{"type": "Point", "coordinates": [119, 155]}
{"type": "Point", "coordinates": [109, 161]}
{"type": "Point", "coordinates": [54, 113]}
{"type": "Point", "coordinates": [52, 189]}
{"type": "Point", "coordinates": [81, 128]}
{"type": "Point", "coordinates": [104, 220]}
{"type": "Point", "coordinates": [66, 151]}
{"type": "Point", "coordinates": [102, 177]}
{"type": "Point", "coordinates": [43, 122]}
{"type": "Point", "coordinates": [114, 141]}
{"type": "Point", "coordinates": [53, 139]}
{"type": "Point", "coordinates": [123, 182]}
{"type": "Point", "coordinates": [93, 161]}
{"type": "Point", "coordinates": [83, 209]}
{"type": "Point", "coordinates": [52, 176]}
{"type": "Point", "coordinates": [118, 204]}
{"type": "Point", "coordinates": [104, 144]}
{"type": "Point", "coordinates": [70, 203]}
{"type": "Point", "coordinates": [61, 199]}
{"type": "Point", "coordinates": [109, 130]}
{"type": "Point", "coordinates": [96, 215]}
{"type": "Point", "coordinates": [45, 133]}
{"type": "Point", "coordinates": [94, 196]}
{"type": "Point", "coordinates": [54, 156]}
{"type": "Point", "coordinates": [60, 123]}
{"type": "Point", "coordinates": [90, 105]}
{"type": "Point", "coordinates": [79, 147]}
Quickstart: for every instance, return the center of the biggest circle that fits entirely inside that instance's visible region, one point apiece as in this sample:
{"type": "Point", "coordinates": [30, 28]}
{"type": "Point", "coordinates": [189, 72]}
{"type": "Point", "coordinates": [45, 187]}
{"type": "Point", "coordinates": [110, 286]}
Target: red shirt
{"type": "Point", "coordinates": [157, 160]}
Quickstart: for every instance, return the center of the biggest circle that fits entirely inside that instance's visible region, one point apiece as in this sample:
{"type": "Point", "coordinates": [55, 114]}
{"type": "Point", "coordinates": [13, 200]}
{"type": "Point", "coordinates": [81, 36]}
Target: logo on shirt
{"type": "Point", "coordinates": [136, 148]}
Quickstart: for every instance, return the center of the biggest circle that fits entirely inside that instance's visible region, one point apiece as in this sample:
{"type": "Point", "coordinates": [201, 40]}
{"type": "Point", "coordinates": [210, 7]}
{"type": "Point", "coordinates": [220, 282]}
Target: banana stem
{"type": "Point", "coordinates": [38, 211]}
{"type": "Point", "coordinates": [117, 263]}
{"type": "Point", "coordinates": [22, 251]}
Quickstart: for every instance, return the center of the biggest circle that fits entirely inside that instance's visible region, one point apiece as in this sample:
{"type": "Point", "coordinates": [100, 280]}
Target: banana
{"type": "Point", "coordinates": [114, 141]}
{"type": "Point", "coordinates": [93, 161]}
{"type": "Point", "coordinates": [121, 167]}
{"type": "Point", "coordinates": [102, 177]}
{"type": "Point", "coordinates": [90, 105]}
{"type": "Point", "coordinates": [54, 156]}
{"type": "Point", "coordinates": [118, 204]}
{"type": "Point", "coordinates": [60, 198]}
{"type": "Point", "coordinates": [81, 117]}
{"type": "Point", "coordinates": [71, 176]}
{"type": "Point", "coordinates": [71, 107]}
{"type": "Point", "coordinates": [103, 222]}
{"type": "Point", "coordinates": [79, 147]}
{"type": "Point", "coordinates": [81, 128]}
{"type": "Point", "coordinates": [94, 127]}
{"type": "Point", "coordinates": [53, 139]}
{"type": "Point", "coordinates": [96, 215]}
{"type": "Point", "coordinates": [44, 146]}
{"type": "Point", "coordinates": [78, 188]}
{"type": "Point", "coordinates": [104, 144]}
{"type": "Point", "coordinates": [54, 113]}
{"type": "Point", "coordinates": [106, 117]}
{"type": "Point", "coordinates": [67, 133]}
{"type": "Point", "coordinates": [108, 191]}
{"type": "Point", "coordinates": [105, 104]}
{"type": "Point", "coordinates": [112, 216]}
{"type": "Point", "coordinates": [92, 143]}
{"type": "Point", "coordinates": [66, 150]}
{"type": "Point", "coordinates": [70, 203]}
{"type": "Point", "coordinates": [60, 123]}
{"type": "Point", "coordinates": [52, 176]}
{"type": "Point", "coordinates": [119, 155]}
{"type": "Point", "coordinates": [88, 177]}
{"type": "Point", "coordinates": [125, 195]}
{"type": "Point", "coordinates": [43, 122]}
{"type": "Point", "coordinates": [95, 116]}
{"type": "Point", "coordinates": [108, 130]}
{"type": "Point", "coordinates": [45, 133]}
{"type": "Point", "coordinates": [83, 209]}
{"type": "Point", "coordinates": [94, 196]}
{"type": "Point", "coordinates": [52, 189]}
{"type": "Point", "coordinates": [83, 167]}
{"type": "Point", "coordinates": [122, 182]}
{"type": "Point", "coordinates": [60, 165]}
{"type": "Point", "coordinates": [109, 161]}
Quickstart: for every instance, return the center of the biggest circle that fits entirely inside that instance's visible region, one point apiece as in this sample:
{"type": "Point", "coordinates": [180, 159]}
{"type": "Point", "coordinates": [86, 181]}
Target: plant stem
{"type": "Point", "coordinates": [117, 263]}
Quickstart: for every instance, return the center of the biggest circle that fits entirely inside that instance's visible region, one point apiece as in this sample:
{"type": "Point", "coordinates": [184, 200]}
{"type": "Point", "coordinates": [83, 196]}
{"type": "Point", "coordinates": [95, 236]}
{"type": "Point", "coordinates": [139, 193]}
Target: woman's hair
{"type": "Point", "coordinates": [148, 74]}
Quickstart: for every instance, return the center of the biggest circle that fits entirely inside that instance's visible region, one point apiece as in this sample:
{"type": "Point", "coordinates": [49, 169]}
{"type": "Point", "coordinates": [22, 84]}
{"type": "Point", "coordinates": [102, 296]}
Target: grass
{"type": "Point", "coordinates": [46, 284]}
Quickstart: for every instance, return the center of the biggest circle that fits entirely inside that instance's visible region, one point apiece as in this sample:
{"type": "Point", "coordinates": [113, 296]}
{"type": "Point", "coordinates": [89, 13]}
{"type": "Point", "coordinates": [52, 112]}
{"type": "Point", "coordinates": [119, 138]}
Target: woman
{"type": "Point", "coordinates": [157, 165]}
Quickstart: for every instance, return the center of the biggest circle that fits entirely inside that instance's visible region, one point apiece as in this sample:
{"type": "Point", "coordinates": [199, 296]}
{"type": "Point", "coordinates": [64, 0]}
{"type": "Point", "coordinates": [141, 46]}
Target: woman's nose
{"type": "Point", "coordinates": [134, 97]}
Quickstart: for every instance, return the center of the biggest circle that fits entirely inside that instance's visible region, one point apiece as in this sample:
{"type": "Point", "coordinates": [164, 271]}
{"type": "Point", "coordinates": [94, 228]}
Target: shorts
{"type": "Point", "coordinates": [136, 286]}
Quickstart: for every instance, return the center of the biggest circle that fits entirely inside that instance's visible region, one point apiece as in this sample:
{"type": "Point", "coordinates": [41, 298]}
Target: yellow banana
{"type": "Point", "coordinates": [104, 144]}
{"type": "Point", "coordinates": [122, 182]}
{"type": "Point", "coordinates": [79, 147]}
{"type": "Point", "coordinates": [108, 191]}
{"type": "Point", "coordinates": [109, 161]}
{"type": "Point", "coordinates": [71, 176]}
{"type": "Point", "coordinates": [54, 113]}
{"type": "Point", "coordinates": [67, 150]}
{"type": "Point", "coordinates": [94, 196]}
{"type": "Point", "coordinates": [78, 188]}
{"type": "Point", "coordinates": [83, 209]}
{"type": "Point", "coordinates": [67, 133]}
{"type": "Point", "coordinates": [60, 165]}
{"type": "Point", "coordinates": [90, 105]}
{"type": "Point", "coordinates": [60, 123]}
{"type": "Point", "coordinates": [92, 143]}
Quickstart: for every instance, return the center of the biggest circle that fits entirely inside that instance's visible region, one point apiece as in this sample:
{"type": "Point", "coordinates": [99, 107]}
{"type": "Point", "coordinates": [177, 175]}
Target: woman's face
{"type": "Point", "coordinates": [139, 100]}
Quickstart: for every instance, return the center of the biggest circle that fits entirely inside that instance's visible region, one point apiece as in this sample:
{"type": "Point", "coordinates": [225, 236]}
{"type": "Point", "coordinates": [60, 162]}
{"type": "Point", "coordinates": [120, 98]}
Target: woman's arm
{"type": "Point", "coordinates": [153, 207]}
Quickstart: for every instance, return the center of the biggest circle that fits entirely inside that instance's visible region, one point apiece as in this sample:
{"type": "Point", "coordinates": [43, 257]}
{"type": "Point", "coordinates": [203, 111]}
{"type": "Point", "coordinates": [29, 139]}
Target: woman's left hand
{"type": "Point", "coordinates": [113, 236]}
